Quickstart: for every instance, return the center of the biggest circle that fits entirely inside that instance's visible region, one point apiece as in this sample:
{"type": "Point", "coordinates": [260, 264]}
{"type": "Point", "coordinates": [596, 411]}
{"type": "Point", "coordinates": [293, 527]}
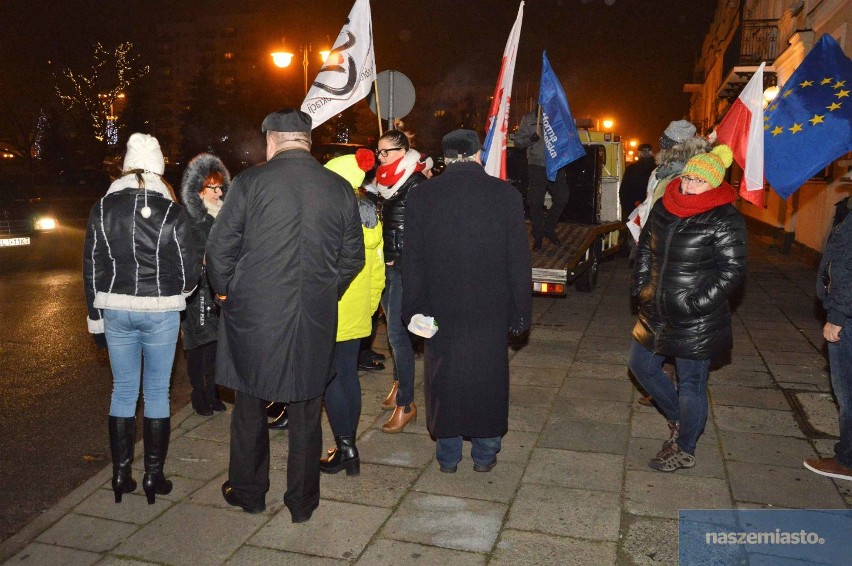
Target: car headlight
{"type": "Point", "coordinates": [45, 223]}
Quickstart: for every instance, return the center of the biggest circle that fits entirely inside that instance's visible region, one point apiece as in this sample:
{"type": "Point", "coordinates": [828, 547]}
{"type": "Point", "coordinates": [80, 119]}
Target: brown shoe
{"type": "Point", "coordinates": [399, 418]}
{"type": "Point", "coordinates": [829, 467]}
{"type": "Point", "coordinates": [646, 401]}
{"type": "Point", "coordinates": [390, 401]}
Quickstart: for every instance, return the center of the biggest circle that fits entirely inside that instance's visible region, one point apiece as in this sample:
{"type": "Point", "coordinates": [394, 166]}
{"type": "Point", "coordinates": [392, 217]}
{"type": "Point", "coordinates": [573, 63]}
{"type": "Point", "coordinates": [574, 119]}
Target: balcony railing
{"type": "Point", "coordinates": [754, 42]}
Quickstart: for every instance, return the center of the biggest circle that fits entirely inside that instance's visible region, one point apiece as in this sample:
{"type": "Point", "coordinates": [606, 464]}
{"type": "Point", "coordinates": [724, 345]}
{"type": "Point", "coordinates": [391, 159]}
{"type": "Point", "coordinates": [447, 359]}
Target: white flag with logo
{"type": "Point", "coordinates": [348, 73]}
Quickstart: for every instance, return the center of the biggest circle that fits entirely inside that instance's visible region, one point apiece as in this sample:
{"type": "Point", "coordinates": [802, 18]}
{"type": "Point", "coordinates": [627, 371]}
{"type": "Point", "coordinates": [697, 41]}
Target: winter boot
{"type": "Point", "coordinates": [211, 394]}
{"type": "Point", "coordinates": [122, 436]}
{"type": "Point", "coordinates": [344, 455]}
{"type": "Point", "coordinates": [389, 402]}
{"type": "Point", "coordinates": [402, 415]}
{"type": "Point", "coordinates": [198, 396]}
{"type": "Point", "coordinates": [155, 434]}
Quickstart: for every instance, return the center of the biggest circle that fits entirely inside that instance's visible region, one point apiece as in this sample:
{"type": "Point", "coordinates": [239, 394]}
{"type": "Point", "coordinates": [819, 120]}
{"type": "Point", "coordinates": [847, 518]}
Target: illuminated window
{"type": "Point", "coordinates": [229, 55]}
{"type": "Point", "coordinates": [440, 113]}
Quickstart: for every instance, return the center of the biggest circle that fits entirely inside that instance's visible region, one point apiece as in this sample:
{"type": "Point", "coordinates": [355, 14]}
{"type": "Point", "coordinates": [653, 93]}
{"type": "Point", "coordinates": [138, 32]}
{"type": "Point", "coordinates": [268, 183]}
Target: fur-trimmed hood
{"type": "Point", "coordinates": [196, 171]}
{"type": "Point", "coordinates": [672, 160]}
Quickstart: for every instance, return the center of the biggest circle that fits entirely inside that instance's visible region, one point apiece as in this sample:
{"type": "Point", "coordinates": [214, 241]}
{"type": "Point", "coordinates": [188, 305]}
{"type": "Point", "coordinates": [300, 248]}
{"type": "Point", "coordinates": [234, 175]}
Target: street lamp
{"type": "Point", "coordinates": [607, 124]}
{"type": "Point", "coordinates": [284, 58]}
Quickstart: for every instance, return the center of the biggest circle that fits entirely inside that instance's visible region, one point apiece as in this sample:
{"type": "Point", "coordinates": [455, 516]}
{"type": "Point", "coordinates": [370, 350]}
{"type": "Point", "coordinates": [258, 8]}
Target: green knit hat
{"type": "Point", "coordinates": [710, 166]}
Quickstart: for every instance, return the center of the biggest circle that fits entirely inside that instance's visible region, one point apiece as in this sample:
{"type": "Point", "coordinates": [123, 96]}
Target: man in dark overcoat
{"type": "Point", "coordinates": [467, 265]}
{"type": "Point", "coordinates": [284, 248]}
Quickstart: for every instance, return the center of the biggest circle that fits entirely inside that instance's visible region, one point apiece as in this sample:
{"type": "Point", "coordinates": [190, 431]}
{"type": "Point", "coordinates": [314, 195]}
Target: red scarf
{"type": "Point", "coordinates": [685, 206]}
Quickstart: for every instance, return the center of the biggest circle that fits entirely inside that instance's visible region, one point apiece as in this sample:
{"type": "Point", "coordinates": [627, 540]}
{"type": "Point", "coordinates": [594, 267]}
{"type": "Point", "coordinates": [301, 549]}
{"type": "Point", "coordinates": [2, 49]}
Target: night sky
{"type": "Point", "coordinates": [628, 60]}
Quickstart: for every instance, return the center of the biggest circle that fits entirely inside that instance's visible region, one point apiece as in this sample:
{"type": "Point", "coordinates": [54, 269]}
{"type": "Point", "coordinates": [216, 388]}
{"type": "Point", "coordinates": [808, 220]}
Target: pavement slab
{"type": "Point", "coordinates": [87, 533]}
{"type": "Point", "coordinates": [448, 522]}
{"type": "Point", "coordinates": [649, 541]}
{"type": "Point", "coordinates": [336, 530]}
{"type": "Point", "coordinates": [539, 377]}
{"type": "Point", "coordinates": [378, 486]}
{"type": "Point", "coordinates": [765, 449]}
{"type": "Point", "coordinates": [750, 419]}
{"type": "Point", "coordinates": [256, 556]}
{"type": "Point", "coordinates": [520, 547]}
{"type": "Point", "coordinates": [584, 436]}
{"type": "Point", "coordinates": [725, 394]}
{"type": "Point", "coordinates": [401, 449]}
{"type": "Point", "coordinates": [385, 552]}
{"type": "Point", "coordinates": [582, 470]}
{"type": "Point", "coordinates": [37, 553]}
{"type": "Point", "coordinates": [173, 538]}
{"type": "Point", "coordinates": [580, 513]}
{"type": "Point", "coordinates": [594, 389]}
{"type": "Point", "coordinates": [802, 489]}
{"type": "Point", "coordinates": [500, 484]}
{"type": "Point", "coordinates": [660, 494]}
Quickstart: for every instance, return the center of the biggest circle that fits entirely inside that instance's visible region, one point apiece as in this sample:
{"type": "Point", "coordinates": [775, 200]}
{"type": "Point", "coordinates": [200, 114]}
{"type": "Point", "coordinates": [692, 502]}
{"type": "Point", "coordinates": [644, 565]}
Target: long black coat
{"type": "Point", "coordinates": [467, 263]}
{"type": "Point", "coordinates": [686, 270]}
{"type": "Point", "coordinates": [284, 248]}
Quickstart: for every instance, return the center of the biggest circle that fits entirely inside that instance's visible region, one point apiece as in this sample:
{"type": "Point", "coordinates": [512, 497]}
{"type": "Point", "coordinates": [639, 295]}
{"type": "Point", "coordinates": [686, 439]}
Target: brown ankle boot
{"type": "Point", "coordinates": [390, 401]}
{"type": "Point", "coordinates": [399, 418]}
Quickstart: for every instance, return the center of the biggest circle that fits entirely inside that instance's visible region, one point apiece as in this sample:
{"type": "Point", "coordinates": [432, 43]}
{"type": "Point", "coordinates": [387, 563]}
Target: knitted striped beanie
{"type": "Point", "coordinates": [710, 166]}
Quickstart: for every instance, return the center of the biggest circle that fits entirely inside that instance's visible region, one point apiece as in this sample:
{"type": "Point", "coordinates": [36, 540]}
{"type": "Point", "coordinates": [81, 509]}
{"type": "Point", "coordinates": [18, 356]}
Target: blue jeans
{"type": "Point", "coordinates": [131, 337]}
{"type": "Point", "coordinates": [686, 404]}
{"type": "Point", "coordinates": [398, 337]}
{"type": "Point", "coordinates": [343, 392]}
{"type": "Point", "coordinates": [840, 362]}
{"type": "Point", "coordinates": [448, 451]}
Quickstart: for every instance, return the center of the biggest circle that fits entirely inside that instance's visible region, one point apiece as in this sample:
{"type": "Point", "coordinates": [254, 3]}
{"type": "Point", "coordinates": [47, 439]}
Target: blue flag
{"type": "Point", "coordinates": [561, 140]}
{"type": "Point", "coordinates": [810, 123]}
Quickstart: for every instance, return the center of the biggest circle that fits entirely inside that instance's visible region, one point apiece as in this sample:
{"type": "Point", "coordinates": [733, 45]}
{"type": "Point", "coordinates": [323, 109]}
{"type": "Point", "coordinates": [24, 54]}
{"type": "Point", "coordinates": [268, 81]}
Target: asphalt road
{"type": "Point", "coordinates": [55, 384]}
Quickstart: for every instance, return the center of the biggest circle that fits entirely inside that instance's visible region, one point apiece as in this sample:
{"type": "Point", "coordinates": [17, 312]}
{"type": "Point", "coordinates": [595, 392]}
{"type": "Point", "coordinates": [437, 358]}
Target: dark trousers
{"type": "Point", "coordinates": [249, 466]}
{"type": "Point", "coordinates": [343, 393]}
{"type": "Point", "coordinates": [538, 187]}
{"type": "Point", "coordinates": [201, 368]}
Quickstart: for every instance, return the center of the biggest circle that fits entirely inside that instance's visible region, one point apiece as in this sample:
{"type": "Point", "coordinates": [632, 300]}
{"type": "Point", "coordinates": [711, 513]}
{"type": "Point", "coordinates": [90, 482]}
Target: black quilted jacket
{"type": "Point", "coordinates": [685, 271]}
{"type": "Point", "coordinates": [393, 217]}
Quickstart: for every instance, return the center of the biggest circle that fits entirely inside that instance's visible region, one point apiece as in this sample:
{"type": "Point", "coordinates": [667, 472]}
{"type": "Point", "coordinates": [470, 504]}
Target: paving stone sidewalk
{"type": "Point", "coordinates": [572, 484]}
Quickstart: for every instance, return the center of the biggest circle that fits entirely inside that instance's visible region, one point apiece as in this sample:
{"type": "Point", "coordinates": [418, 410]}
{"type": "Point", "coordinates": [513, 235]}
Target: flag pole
{"type": "Point", "coordinates": [378, 107]}
{"type": "Point", "coordinates": [538, 120]}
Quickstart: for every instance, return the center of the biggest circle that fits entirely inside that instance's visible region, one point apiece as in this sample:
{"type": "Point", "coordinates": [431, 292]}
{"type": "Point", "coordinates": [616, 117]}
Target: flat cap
{"type": "Point", "coordinates": [645, 147]}
{"type": "Point", "coordinates": [461, 143]}
{"type": "Point", "coordinates": [287, 120]}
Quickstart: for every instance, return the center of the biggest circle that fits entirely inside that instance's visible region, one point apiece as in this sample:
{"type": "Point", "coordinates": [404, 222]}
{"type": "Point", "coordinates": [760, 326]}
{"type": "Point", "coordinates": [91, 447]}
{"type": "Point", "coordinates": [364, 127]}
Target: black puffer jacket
{"type": "Point", "coordinates": [685, 271]}
{"type": "Point", "coordinates": [834, 286]}
{"type": "Point", "coordinates": [393, 217]}
{"type": "Point", "coordinates": [133, 263]}
{"type": "Point", "coordinates": [200, 323]}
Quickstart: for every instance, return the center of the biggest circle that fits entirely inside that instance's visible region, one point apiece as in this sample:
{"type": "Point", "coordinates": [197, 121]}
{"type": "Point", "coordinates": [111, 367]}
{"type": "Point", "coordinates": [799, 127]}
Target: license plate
{"type": "Point", "coordinates": [4, 242]}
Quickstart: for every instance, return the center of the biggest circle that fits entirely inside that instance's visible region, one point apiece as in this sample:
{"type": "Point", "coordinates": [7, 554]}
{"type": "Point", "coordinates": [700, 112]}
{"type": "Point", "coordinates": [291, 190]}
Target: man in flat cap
{"type": "Point", "coordinates": [467, 265]}
{"type": "Point", "coordinates": [283, 249]}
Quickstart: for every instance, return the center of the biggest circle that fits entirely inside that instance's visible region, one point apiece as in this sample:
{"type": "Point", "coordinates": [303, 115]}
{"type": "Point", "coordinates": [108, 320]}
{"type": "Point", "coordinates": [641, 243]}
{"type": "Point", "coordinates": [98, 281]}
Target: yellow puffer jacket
{"type": "Point", "coordinates": [355, 309]}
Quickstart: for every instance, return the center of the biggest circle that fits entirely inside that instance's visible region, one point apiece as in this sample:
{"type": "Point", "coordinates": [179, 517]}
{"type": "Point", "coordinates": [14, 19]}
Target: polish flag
{"type": "Point", "coordinates": [742, 130]}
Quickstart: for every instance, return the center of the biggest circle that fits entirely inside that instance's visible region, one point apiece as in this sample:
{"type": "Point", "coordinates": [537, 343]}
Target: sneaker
{"type": "Point", "coordinates": [671, 458]}
{"type": "Point", "coordinates": [829, 467]}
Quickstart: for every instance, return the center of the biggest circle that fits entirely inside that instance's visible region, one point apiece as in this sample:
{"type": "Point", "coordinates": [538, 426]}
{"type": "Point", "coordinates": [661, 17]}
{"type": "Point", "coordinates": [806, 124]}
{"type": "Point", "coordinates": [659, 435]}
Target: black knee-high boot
{"type": "Point", "coordinates": [155, 434]}
{"type": "Point", "coordinates": [122, 436]}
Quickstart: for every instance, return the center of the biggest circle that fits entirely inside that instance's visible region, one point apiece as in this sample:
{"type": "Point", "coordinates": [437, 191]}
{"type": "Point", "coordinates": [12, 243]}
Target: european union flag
{"type": "Point", "coordinates": [561, 140]}
{"type": "Point", "coordinates": [810, 123]}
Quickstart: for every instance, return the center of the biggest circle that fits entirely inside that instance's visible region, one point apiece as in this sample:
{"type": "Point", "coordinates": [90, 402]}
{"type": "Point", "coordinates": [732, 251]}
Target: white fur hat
{"type": "Point", "coordinates": [143, 152]}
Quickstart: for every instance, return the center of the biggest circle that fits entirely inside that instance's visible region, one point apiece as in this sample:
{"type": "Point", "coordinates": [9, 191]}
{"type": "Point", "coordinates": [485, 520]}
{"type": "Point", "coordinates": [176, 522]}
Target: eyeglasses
{"type": "Point", "coordinates": [385, 152]}
{"type": "Point", "coordinates": [214, 188]}
{"type": "Point", "coordinates": [687, 180]}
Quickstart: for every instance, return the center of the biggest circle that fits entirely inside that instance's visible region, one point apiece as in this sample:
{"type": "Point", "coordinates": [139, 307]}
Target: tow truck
{"type": "Point", "coordinates": [590, 228]}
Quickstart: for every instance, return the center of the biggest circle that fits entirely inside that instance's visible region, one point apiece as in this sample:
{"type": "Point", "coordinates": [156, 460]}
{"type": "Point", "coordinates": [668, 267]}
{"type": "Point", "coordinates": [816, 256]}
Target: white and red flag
{"type": "Point", "coordinates": [494, 148]}
{"type": "Point", "coordinates": [742, 130]}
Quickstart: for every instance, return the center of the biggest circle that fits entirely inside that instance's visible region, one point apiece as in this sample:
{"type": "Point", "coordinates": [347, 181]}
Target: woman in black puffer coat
{"type": "Point", "coordinates": [205, 181]}
{"type": "Point", "coordinates": [691, 256]}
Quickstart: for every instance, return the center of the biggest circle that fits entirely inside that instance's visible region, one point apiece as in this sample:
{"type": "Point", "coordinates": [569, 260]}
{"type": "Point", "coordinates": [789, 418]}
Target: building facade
{"type": "Point", "coordinates": [780, 32]}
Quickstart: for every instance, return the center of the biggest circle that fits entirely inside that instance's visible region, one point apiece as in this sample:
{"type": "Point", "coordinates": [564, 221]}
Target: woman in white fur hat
{"type": "Point", "coordinates": [139, 265]}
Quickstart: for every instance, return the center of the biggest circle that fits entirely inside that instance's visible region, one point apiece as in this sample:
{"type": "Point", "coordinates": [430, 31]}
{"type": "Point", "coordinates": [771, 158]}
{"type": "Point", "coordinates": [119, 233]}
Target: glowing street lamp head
{"type": "Point", "coordinates": [632, 143]}
{"type": "Point", "coordinates": [324, 55]}
{"type": "Point", "coordinates": [607, 124]}
{"type": "Point", "coordinates": [281, 58]}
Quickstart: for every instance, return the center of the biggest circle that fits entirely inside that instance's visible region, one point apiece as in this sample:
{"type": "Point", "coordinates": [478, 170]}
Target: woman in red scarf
{"type": "Point", "coordinates": [691, 256]}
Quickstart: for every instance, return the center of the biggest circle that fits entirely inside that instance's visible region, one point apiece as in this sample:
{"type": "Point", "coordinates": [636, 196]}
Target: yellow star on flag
{"type": "Point", "coordinates": [826, 80]}
{"type": "Point", "coordinates": [817, 119]}
{"type": "Point", "coordinates": [777, 131]}
{"type": "Point", "coordinates": [803, 84]}
{"type": "Point", "coordinates": [842, 93]}
{"type": "Point", "coordinates": [796, 128]}
{"type": "Point", "coordinates": [787, 93]}
{"type": "Point", "coordinates": [838, 84]}
{"type": "Point", "coordinates": [834, 106]}
{"type": "Point", "coordinates": [766, 126]}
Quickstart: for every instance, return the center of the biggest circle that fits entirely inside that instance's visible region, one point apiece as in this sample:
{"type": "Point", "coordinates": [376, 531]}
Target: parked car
{"type": "Point", "coordinates": [21, 217]}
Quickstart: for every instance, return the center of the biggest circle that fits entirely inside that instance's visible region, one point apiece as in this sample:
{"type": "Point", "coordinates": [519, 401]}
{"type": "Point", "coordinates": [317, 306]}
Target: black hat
{"type": "Point", "coordinates": [287, 120]}
{"type": "Point", "coordinates": [461, 143]}
{"type": "Point", "coordinates": [645, 147]}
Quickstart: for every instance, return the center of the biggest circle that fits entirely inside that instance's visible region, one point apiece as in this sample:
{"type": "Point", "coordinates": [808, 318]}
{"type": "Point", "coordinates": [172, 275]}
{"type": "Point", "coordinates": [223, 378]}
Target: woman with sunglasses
{"type": "Point", "coordinates": [400, 170]}
{"type": "Point", "coordinates": [690, 258]}
{"type": "Point", "coordinates": [204, 184]}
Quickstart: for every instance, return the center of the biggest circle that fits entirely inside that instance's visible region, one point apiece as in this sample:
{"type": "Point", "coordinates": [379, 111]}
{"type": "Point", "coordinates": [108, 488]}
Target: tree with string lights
{"type": "Point", "coordinates": [93, 93]}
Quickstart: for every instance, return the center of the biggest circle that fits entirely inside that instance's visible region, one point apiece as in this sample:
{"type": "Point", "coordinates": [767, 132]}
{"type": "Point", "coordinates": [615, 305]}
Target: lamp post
{"type": "Point", "coordinates": [284, 58]}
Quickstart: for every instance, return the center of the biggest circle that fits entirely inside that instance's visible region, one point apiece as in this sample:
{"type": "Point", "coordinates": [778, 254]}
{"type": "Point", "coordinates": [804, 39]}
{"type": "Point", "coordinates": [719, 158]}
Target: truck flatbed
{"type": "Point", "coordinates": [575, 259]}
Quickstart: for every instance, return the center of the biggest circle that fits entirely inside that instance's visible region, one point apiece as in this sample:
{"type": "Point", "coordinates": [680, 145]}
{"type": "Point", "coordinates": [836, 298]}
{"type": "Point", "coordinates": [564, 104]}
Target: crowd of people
{"type": "Point", "coordinates": [281, 271]}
